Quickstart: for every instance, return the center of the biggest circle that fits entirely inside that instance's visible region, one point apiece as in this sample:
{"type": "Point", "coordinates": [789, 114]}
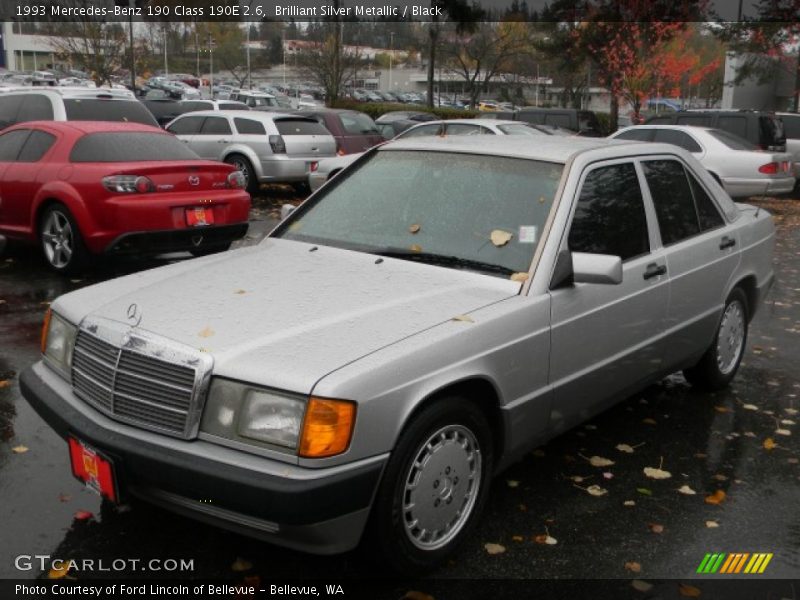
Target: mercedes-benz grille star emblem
{"type": "Point", "coordinates": [134, 315]}
{"type": "Point", "coordinates": [194, 180]}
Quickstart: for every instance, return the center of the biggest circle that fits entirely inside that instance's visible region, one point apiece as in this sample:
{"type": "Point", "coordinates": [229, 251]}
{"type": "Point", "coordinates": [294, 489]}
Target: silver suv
{"type": "Point", "coordinates": [72, 104]}
{"type": "Point", "coordinates": [265, 147]}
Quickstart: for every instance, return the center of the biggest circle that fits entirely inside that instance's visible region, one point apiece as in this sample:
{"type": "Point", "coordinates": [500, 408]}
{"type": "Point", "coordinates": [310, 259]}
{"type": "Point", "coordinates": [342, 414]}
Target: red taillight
{"type": "Point", "coordinates": [236, 180]}
{"type": "Point", "coordinates": [277, 144]}
{"type": "Point", "coordinates": [314, 166]}
{"type": "Point", "coordinates": [769, 168]}
{"type": "Point", "coordinates": [129, 184]}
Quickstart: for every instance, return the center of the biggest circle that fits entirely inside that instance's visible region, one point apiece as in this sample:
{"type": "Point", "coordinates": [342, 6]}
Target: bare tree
{"type": "Point", "coordinates": [327, 63]}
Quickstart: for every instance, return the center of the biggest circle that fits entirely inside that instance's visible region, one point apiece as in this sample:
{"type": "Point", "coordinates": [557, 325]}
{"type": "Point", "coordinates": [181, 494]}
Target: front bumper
{"type": "Point", "coordinates": [323, 511]}
{"type": "Point", "coordinates": [175, 240]}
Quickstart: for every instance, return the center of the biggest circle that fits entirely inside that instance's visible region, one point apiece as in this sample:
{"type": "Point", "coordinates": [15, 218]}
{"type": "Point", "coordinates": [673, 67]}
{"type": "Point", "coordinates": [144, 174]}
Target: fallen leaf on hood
{"type": "Point", "coordinates": [240, 564]}
{"type": "Point", "coordinates": [769, 444]}
{"type": "Point", "coordinates": [596, 490]}
{"type": "Point", "coordinates": [19, 449]}
{"type": "Point", "coordinates": [689, 591]}
{"type": "Point", "coordinates": [415, 595]}
{"type": "Point", "coordinates": [633, 567]}
{"type": "Point", "coordinates": [685, 489]}
{"type": "Point", "coordinates": [712, 524]}
{"type": "Point", "coordinates": [240, 292]}
{"type": "Point", "coordinates": [59, 572]}
{"type": "Point", "coordinates": [500, 237]}
{"type": "Point", "coordinates": [656, 528]}
{"type": "Point", "coordinates": [463, 318]}
{"type": "Point", "coordinates": [512, 483]}
{"type": "Point", "coordinates": [415, 248]}
{"type": "Point", "coordinates": [625, 448]}
{"type": "Point", "coordinates": [749, 407]}
{"type": "Point", "coordinates": [641, 586]}
{"type": "Point", "coordinates": [520, 277]}
{"type": "Point", "coordinates": [206, 332]}
{"type": "Point", "coordinates": [599, 461]}
{"type": "Point", "coordinates": [414, 228]}
{"type": "Point", "coordinates": [656, 473]}
{"type": "Point", "coordinates": [545, 539]}
{"type": "Point", "coordinates": [783, 432]}
{"type": "Point", "coordinates": [716, 498]}
{"type": "Point", "coordinates": [83, 515]}
{"type": "Point", "coordinates": [494, 548]}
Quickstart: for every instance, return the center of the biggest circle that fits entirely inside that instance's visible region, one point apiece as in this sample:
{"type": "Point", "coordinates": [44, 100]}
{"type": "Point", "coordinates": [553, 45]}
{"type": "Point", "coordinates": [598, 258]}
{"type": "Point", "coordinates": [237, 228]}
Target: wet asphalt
{"type": "Point", "coordinates": [640, 528]}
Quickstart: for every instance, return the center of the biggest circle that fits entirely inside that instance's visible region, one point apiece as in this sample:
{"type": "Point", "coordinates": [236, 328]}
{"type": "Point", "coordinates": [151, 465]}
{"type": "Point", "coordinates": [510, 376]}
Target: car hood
{"type": "Point", "coordinates": [284, 314]}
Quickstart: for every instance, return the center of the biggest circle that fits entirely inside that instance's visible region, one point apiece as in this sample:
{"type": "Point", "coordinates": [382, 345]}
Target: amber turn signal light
{"type": "Point", "coordinates": [45, 329]}
{"type": "Point", "coordinates": [327, 428]}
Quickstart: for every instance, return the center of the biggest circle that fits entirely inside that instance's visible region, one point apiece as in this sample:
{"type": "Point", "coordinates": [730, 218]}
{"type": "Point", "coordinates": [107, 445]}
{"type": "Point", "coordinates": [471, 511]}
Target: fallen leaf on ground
{"type": "Point", "coordinates": [793, 460]}
{"type": "Point", "coordinates": [787, 422]}
{"type": "Point", "coordinates": [206, 332]}
{"type": "Point", "coordinates": [512, 483]}
{"type": "Point", "coordinates": [494, 548]}
{"type": "Point", "coordinates": [685, 489]}
{"type": "Point", "coordinates": [522, 507]}
{"type": "Point", "coordinates": [4, 383]}
{"type": "Point", "coordinates": [59, 572]}
{"type": "Point", "coordinates": [656, 473]}
{"type": "Point", "coordinates": [415, 595]}
{"type": "Point", "coordinates": [649, 421]}
{"type": "Point", "coordinates": [716, 498]}
{"type": "Point", "coordinates": [712, 524]}
{"type": "Point", "coordinates": [749, 434]}
{"type": "Point", "coordinates": [790, 411]}
{"type": "Point", "coordinates": [463, 318]}
{"type": "Point", "coordinates": [633, 567]}
{"type": "Point", "coordinates": [689, 591]}
{"type": "Point", "coordinates": [644, 491]}
{"type": "Point", "coordinates": [608, 475]}
{"type": "Point", "coordinates": [720, 477]}
{"type": "Point", "coordinates": [241, 564]}
{"type": "Point", "coordinates": [599, 461]}
{"type": "Point", "coordinates": [629, 503]}
{"type": "Point", "coordinates": [641, 586]}
{"type": "Point", "coordinates": [769, 444]}
{"type": "Point", "coordinates": [722, 409]}
{"type": "Point", "coordinates": [83, 515]}
{"type": "Point", "coordinates": [577, 478]}
{"type": "Point", "coordinates": [500, 237]}
{"type": "Point", "coordinates": [625, 448]}
{"type": "Point", "coordinates": [520, 277]}
{"type": "Point", "coordinates": [19, 449]}
{"type": "Point", "coordinates": [538, 453]}
{"type": "Point", "coordinates": [749, 407]}
{"type": "Point", "coordinates": [545, 539]}
{"type": "Point", "coordinates": [414, 228]}
{"type": "Point", "coordinates": [596, 490]}
{"type": "Point", "coordinates": [656, 528]}
{"type": "Point", "coordinates": [783, 432]}
{"type": "Point", "coordinates": [517, 538]}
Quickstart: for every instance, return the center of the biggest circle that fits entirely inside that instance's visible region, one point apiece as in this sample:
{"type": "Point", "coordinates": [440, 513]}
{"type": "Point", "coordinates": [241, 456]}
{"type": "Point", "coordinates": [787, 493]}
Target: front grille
{"type": "Point", "coordinates": [137, 388]}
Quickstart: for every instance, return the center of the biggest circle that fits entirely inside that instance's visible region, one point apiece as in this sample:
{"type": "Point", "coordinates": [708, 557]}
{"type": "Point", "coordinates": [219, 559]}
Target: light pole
{"type": "Point", "coordinates": [166, 66]}
{"type": "Point", "coordinates": [249, 81]}
{"type": "Point", "coordinates": [391, 56]}
{"type": "Point", "coordinates": [211, 65]}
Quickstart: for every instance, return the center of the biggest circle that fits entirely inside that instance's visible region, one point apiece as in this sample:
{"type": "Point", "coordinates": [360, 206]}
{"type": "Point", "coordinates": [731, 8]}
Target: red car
{"type": "Point", "coordinates": [80, 188]}
{"type": "Point", "coordinates": [354, 131]}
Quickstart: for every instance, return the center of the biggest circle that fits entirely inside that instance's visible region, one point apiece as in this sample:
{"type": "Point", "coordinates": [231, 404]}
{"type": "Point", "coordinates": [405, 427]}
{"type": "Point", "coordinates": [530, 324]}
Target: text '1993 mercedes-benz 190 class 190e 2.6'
{"type": "Point", "coordinates": [436, 311]}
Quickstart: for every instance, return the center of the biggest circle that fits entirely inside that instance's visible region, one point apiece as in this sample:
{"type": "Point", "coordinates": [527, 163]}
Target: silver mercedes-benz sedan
{"type": "Point", "coordinates": [435, 312]}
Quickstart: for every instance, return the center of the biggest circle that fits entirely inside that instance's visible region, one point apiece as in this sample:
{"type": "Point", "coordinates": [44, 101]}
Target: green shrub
{"type": "Point", "coordinates": [376, 109]}
{"type": "Point", "coordinates": [604, 121]}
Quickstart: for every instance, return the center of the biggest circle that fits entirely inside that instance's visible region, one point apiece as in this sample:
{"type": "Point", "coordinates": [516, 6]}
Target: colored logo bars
{"type": "Point", "coordinates": [742, 562]}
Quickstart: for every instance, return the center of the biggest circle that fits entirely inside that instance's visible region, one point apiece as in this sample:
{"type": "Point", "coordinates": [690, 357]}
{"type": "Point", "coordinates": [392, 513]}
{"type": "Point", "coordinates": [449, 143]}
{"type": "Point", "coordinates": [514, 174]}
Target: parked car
{"type": "Point", "coordinates": [195, 105]}
{"type": "Point", "coordinates": [739, 166]}
{"type": "Point", "coordinates": [583, 122]}
{"type": "Point", "coordinates": [353, 131]}
{"type": "Point", "coordinates": [164, 109]}
{"type": "Point", "coordinates": [223, 91]}
{"type": "Point", "coordinates": [428, 327]}
{"type": "Point", "coordinates": [763, 129]}
{"type": "Point", "coordinates": [409, 115]}
{"type": "Point", "coordinates": [791, 126]}
{"type": "Point", "coordinates": [392, 128]}
{"type": "Point", "coordinates": [255, 99]}
{"type": "Point", "coordinates": [85, 188]}
{"type": "Point", "coordinates": [265, 147]}
{"type": "Point", "coordinates": [72, 104]}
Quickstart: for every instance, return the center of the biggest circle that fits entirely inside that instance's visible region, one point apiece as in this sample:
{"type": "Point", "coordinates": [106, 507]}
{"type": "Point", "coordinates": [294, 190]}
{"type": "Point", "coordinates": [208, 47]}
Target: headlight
{"type": "Point", "coordinates": [246, 413]}
{"type": "Point", "coordinates": [58, 341]}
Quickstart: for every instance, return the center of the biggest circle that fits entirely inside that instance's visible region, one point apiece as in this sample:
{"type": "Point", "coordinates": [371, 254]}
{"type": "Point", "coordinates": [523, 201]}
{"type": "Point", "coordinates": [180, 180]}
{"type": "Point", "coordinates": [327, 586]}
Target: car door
{"type": "Point", "coordinates": [606, 339]}
{"type": "Point", "coordinates": [214, 136]}
{"type": "Point", "coordinates": [186, 128]}
{"type": "Point", "coordinates": [700, 251]}
{"type": "Point", "coordinates": [11, 143]}
{"type": "Point", "coordinates": [23, 179]}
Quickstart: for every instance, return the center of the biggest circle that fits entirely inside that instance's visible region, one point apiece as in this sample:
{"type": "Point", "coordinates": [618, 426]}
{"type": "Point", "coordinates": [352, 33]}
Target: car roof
{"type": "Point", "coordinates": [483, 122]}
{"type": "Point", "coordinates": [78, 92]}
{"type": "Point", "coordinates": [253, 114]}
{"type": "Point", "coordinates": [90, 126]}
{"type": "Point", "coordinates": [550, 149]}
{"type": "Point", "coordinates": [692, 128]}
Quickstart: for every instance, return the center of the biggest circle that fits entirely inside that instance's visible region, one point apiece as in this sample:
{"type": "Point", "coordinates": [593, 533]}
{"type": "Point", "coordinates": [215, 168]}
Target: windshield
{"type": "Point", "coordinates": [471, 211]}
{"type": "Point", "coordinates": [734, 142]}
{"type": "Point", "coordinates": [96, 109]}
{"type": "Point", "coordinates": [519, 129]}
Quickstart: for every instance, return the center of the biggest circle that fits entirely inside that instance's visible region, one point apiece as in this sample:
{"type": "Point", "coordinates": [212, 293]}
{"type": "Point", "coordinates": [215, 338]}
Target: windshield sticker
{"type": "Point", "coordinates": [527, 234]}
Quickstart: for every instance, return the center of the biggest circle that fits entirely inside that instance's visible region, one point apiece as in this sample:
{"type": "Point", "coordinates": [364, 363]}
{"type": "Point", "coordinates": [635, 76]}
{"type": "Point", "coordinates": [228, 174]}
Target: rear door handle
{"type": "Point", "coordinates": [727, 242]}
{"type": "Point", "coordinates": [654, 270]}
{"type": "Point", "coordinates": [223, 141]}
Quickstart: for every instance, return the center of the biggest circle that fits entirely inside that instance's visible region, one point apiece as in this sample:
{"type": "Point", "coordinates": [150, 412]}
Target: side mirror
{"type": "Point", "coordinates": [596, 268]}
{"type": "Point", "coordinates": [286, 210]}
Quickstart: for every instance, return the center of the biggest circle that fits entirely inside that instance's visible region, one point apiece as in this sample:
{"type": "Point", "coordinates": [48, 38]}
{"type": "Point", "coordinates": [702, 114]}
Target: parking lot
{"type": "Point", "coordinates": [733, 458]}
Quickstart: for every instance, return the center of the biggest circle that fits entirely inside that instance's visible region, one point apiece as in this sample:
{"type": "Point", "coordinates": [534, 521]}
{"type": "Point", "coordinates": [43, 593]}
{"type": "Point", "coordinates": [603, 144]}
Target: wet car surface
{"type": "Point", "coordinates": [741, 441]}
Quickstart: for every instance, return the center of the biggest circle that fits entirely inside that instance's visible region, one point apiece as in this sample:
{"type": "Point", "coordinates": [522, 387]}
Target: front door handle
{"type": "Point", "coordinates": [654, 270]}
{"type": "Point", "coordinates": [727, 242]}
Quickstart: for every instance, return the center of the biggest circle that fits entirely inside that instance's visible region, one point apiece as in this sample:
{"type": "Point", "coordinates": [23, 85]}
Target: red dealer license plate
{"type": "Point", "coordinates": [196, 217]}
{"type": "Point", "coordinates": [93, 469]}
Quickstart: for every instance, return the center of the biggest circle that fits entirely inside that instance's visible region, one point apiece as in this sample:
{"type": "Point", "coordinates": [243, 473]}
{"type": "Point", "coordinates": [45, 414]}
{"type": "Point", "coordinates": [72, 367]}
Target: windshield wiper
{"type": "Point", "coordinates": [445, 261]}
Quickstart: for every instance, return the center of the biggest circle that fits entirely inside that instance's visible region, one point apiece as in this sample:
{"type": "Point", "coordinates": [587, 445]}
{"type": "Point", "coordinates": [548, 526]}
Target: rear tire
{"type": "Point", "coordinates": [61, 241]}
{"type": "Point", "coordinates": [719, 364]}
{"type": "Point", "coordinates": [433, 489]}
{"type": "Point", "coordinates": [302, 188]}
{"type": "Point", "coordinates": [243, 164]}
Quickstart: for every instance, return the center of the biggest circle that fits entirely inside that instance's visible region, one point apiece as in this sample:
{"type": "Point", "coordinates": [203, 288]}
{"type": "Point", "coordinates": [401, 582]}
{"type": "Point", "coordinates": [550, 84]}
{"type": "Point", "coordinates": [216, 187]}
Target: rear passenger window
{"type": "Point", "coordinates": [791, 125]}
{"type": "Point", "coordinates": [249, 127]}
{"type": "Point", "coordinates": [707, 211]}
{"type": "Point", "coordinates": [637, 135]}
{"type": "Point", "coordinates": [557, 120]}
{"type": "Point", "coordinates": [677, 138]}
{"type": "Point", "coordinates": [421, 130]}
{"type": "Point", "coordinates": [734, 125]}
{"type": "Point", "coordinates": [673, 200]}
{"type": "Point", "coordinates": [215, 126]}
{"type": "Point", "coordinates": [193, 105]}
{"type": "Point", "coordinates": [300, 127]}
{"type": "Point", "coordinates": [186, 126]}
{"type": "Point", "coordinates": [696, 120]}
{"type": "Point", "coordinates": [35, 107]}
{"type": "Point", "coordinates": [11, 144]}
{"type": "Point", "coordinates": [36, 146]}
{"type": "Point", "coordinates": [610, 217]}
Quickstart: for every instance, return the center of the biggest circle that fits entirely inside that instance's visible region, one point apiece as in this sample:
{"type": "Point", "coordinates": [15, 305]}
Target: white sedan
{"type": "Point", "coordinates": [739, 166]}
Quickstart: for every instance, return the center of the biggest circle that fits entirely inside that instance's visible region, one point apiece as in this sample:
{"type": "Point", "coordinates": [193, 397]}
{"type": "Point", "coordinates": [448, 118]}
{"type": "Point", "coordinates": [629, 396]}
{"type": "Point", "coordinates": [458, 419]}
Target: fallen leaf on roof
{"type": "Point", "coordinates": [716, 498]}
{"type": "Point", "coordinates": [500, 238]}
{"type": "Point", "coordinates": [599, 461]}
{"type": "Point", "coordinates": [512, 483]}
{"type": "Point", "coordinates": [517, 538]}
{"type": "Point", "coordinates": [494, 548]}
{"type": "Point", "coordinates": [722, 409]}
{"type": "Point", "coordinates": [649, 421]}
{"type": "Point", "coordinates": [240, 292]}
{"type": "Point", "coordinates": [629, 503]}
{"type": "Point", "coordinates": [415, 248]}
{"type": "Point", "coordinates": [720, 477]}
{"type": "Point", "coordinates": [787, 422]}
{"type": "Point", "coordinates": [644, 491]}
{"type": "Point", "coordinates": [790, 411]}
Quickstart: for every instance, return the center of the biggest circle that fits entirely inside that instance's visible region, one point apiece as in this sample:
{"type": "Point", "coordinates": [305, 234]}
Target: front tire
{"type": "Point", "coordinates": [60, 239]}
{"type": "Point", "coordinates": [434, 487]}
{"type": "Point", "coordinates": [241, 163]}
{"type": "Point", "coordinates": [719, 364]}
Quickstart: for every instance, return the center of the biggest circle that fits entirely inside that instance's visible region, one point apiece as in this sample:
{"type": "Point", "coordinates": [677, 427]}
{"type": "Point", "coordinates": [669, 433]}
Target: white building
{"type": "Point", "coordinates": [24, 51]}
